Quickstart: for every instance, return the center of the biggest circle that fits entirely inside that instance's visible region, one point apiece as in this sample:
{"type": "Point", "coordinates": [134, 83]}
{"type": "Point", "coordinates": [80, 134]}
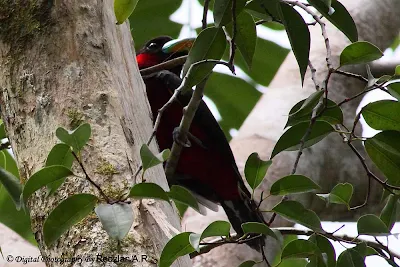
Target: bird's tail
{"type": "Point", "coordinates": [244, 210]}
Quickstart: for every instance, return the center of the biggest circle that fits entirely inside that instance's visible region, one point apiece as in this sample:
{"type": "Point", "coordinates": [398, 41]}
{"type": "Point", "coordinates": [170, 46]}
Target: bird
{"type": "Point", "coordinates": [207, 166]}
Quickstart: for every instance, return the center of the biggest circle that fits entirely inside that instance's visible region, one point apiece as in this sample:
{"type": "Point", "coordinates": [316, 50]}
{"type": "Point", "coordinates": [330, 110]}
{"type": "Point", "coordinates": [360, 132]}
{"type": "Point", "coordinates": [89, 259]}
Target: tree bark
{"type": "Point", "coordinates": [328, 162]}
{"type": "Point", "coordinates": [60, 60]}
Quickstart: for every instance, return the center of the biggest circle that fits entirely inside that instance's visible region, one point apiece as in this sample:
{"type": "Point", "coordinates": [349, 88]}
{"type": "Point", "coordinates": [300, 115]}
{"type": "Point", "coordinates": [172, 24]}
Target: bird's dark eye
{"type": "Point", "coordinates": [152, 46]}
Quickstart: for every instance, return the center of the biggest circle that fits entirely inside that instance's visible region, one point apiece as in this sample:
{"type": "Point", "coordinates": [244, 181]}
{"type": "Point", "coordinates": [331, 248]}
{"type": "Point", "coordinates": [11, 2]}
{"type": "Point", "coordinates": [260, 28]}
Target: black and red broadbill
{"type": "Point", "coordinates": [207, 167]}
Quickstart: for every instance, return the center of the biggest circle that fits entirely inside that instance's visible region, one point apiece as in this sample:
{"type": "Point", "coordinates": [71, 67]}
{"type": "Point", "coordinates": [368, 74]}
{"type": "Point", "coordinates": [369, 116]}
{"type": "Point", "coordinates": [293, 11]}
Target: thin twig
{"type": "Point", "coordinates": [90, 180]}
{"type": "Point", "coordinates": [233, 38]}
{"type": "Point", "coordinates": [167, 65]}
{"type": "Point", "coordinates": [313, 75]}
{"type": "Point", "coordinates": [205, 11]}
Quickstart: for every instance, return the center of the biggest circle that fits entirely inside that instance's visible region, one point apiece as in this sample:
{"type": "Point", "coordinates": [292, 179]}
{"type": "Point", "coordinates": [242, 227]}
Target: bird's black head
{"type": "Point", "coordinates": [161, 49]}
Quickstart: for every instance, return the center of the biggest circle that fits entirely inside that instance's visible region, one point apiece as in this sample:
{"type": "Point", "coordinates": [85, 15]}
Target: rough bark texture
{"type": "Point", "coordinates": [330, 161]}
{"type": "Point", "coordinates": [62, 60]}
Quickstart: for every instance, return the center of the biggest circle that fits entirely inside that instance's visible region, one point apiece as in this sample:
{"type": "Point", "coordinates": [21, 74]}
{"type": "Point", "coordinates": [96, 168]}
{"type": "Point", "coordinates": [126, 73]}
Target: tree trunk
{"type": "Point", "coordinates": [328, 162]}
{"type": "Point", "coordinates": [66, 60]}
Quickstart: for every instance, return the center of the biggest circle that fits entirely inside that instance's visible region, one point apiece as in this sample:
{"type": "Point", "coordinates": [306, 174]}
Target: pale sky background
{"type": "Point", "coordinates": [190, 15]}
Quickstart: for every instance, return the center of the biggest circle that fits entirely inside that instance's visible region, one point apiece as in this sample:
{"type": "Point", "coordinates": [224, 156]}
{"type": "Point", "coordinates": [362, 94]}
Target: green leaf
{"type": "Point", "coordinates": [11, 164]}
{"type": "Point", "coordinates": [295, 211]}
{"type": "Point", "coordinates": [299, 249]}
{"type": "Point", "coordinates": [176, 247]}
{"type": "Point", "coordinates": [255, 170]}
{"type": "Point", "coordinates": [389, 212]}
{"type": "Point", "coordinates": [340, 17]}
{"type": "Point", "coordinates": [223, 11]}
{"type": "Point", "coordinates": [247, 264]}
{"type": "Point", "coordinates": [255, 9]}
{"type": "Point", "coordinates": [332, 115]}
{"type": "Point", "coordinates": [370, 224]}
{"type": "Point", "coordinates": [148, 190]}
{"type": "Point", "coordinates": [143, 29]}
{"type": "Point", "coordinates": [217, 228]}
{"type": "Point", "coordinates": [210, 44]}
{"type": "Point", "coordinates": [123, 9]}
{"type": "Point", "coordinates": [258, 228]}
{"type": "Point", "coordinates": [299, 35]}
{"type": "Point", "coordinates": [66, 214]}
{"type": "Point", "coordinates": [43, 177]}
{"type": "Point", "coordinates": [308, 104]}
{"type": "Point", "coordinates": [350, 258]}
{"type": "Point", "coordinates": [116, 219]}
{"type": "Point", "coordinates": [3, 161]}
{"type": "Point", "coordinates": [12, 185]}
{"type": "Point", "coordinates": [150, 160]}
{"type": "Point", "coordinates": [293, 184]}
{"type": "Point", "coordinates": [325, 246]}
{"type": "Point", "coordinates": [384, 150]}
{"type": "Point", "coordinates": [60, 154]}
{"type": "Point", "coordinates": [290, 140]}
{"type": "Point", "coordinates": [231, 95]}
{"type": "Point", "coordinates": [246, 36]}
{"type": "Point", "coordinates": [359, 52]}
{"type": "Point", "coordinates": [182, 195]}
{"type": "Point", "coordinates": [382, 115]}
{"type": "Point", "coordinates": [394, 90]}
{"type": "Point", "coordinates": [2, 130]}
{"type": "Point", "coordinates": [182, 208]}
{"type": "Point", "coordinates": [77, 139]}
{"type": "Point", "coordinates": [397, 70]}
{"type": "Point", "coordinates": [340, 194]}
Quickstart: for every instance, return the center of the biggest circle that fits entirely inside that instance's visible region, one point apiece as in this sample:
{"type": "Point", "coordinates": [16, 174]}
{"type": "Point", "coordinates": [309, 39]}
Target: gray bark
{"type": "Point", "coordinates": [330, 161]}
{"type": "Point", "coordinates": [58, 58]}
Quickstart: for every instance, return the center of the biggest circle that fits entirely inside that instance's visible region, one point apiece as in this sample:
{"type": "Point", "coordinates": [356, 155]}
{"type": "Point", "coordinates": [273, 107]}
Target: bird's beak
{"type": "Point", "coordinates": [178, 45]}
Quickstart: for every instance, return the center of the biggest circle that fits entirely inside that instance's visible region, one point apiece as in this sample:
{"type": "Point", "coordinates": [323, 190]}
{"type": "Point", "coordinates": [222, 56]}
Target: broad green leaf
{"type": "Point", "coordinates": [223, 11]}
{"type": "Point", "coordinates": [77, 138]}
{"type": "Point", "coordinates": [333, 114]}
{"type": "Point", "coordinates": [394, 90]}
{"type": "Point", "coordinates": [258, 228]}
{"type": "Point", "coordinates": [182, 195]}
{"type": "Point", "coordinates": [60, 154]}
{"type": "Point", "coordinates": [382, 115]}
{"type": "Point", "coordinates": [295, 211]}
{"type": "Point", "coordinates": [3, 161]}
{"type": "Point", "coordinates": [384, 150]}
{"type": "Point", "coordinates": [255, 9]}
{"type": "Point", "coordinates": [247, 264]}
{"type": "Point", "coordinates": [143, 29]}
{"type": "Point", "coordinates": [350, 258]}
{"type": "Point", "coordinates": [66, 214]}
{"type": "Point", "coordinates": [11, 164]}
{"type": "Point", "coordinates": [246, 36]}
{"type": "Point", "coordinates": [2, 130]}
{"type": "Point", "coordinates": [271, 7]}
{"type": "Point", "coordinates": [389, 212]}
{"type": "Point", "coordinates": [298, 33]}
{"type": "Point", "coordinates": [210, 44]}
{"type": "Point", "coordinates": [340, 17]}
{"type": "Point", "coordinates": [293, 184]}
{"type": "Point", "coordinates": [290, 140]}
{"type": "Point", "coordinates": [325, 246]}
{"type": "Point", "coordinates": [148, 190]}
{"type": "Point", "coordinates": [397, 70]}
{"type": "Point", "coordinates": [182, 208]}
{"type": "Point", "coordinates": [44, 177]}
{"type": "Point", "coordinates": [123, 9]}
{"type": "Point", "coordinates": [217, 228]}
{"type": "Point", "coordinates": [370, 224]}
{"type": "Point", "coordinates": [231, 95]}
{"type": "Point", "coordinates": [308, 104]}
{"type": "Point", "coordinates": [176, 247]}
{"type": "Point", "coordinates": [255, 170]}
{"type": "Point", "coordinates": [299, 249]}
{"type": "Point", "coordinates": [116, 219]}
{"type": "Point", "coordinates": [359, 52]}
{"type": "Point", "coordinates": [17, 220]}
{"type": "Point", "coordinates": [12, 185]}
{"type": "Point", "coordinates": [150, 160]}
{"type": "Point", "coordinates": [340, 194]}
